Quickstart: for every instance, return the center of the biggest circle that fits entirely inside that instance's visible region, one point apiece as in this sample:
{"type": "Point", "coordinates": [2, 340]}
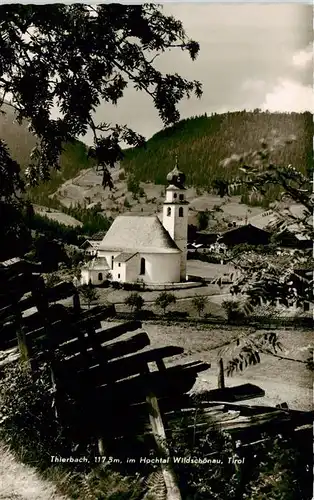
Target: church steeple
{"type": "Point", "coordinates": [176, 177]}
{"type": "Point", "coordinates": [175, 213]}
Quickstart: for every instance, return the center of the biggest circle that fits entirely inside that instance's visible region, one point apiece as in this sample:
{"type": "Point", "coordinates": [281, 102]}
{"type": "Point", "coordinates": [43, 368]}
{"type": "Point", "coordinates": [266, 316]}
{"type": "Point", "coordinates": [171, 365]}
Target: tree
{"type": "Point", "coordinates": [134, 301]}
{"type": "Point", "coordinates": [199, 303]}
{"type": "Point", "coordinates": [133, 185]}
{"type": "Point", "coordinates": [202, 220]}
{"type": "Point", "coordinates": [267, 278]}
{"type": "Point", "coordinates": [164, 300]}
{"type": "Point", "coordinates": [73, 57]}
{"type": "Point", "coordinates": [89, 294]}
{"type": "Point", "coordinates": [287, 278]}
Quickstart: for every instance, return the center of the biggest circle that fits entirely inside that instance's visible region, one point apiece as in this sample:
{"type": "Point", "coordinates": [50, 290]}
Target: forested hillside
{"type": "Point", "coordinates": [202, 142]}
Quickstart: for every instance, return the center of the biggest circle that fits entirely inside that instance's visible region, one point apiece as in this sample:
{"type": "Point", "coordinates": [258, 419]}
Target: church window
{"type": "Point", "coordinates": [142, 267]}
{"type": "Point", "coordinates": [168, 211]}
{"type": "Point", "coordinates": [181, 212]}
{"type": "Point", "coordinates": [119, 264]}
{"type": "Point", "coordinates": [174, 195]}
{"type": "Point", "coordinates": [112, 259]}
{"type": "Point", "coordinates": [118, 276]}
{"type": "Point", "coordinates": [181, 197]}
{"type": "Point", "coordinates": [99, 276]}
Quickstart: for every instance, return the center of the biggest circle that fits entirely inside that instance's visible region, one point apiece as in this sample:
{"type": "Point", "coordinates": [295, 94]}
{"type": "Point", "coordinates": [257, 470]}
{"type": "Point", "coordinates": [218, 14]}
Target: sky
{"type": "Point", "coordinates": [251, 56]}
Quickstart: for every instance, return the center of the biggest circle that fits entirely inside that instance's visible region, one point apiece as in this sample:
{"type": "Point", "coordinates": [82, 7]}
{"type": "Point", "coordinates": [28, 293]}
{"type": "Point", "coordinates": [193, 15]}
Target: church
{"type": "Point", "coordinates": [141, 247]}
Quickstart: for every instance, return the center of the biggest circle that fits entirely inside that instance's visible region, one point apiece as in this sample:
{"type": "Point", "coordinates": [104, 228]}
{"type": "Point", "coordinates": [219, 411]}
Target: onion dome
{"type": "Point", "coordinates": [176, 178]}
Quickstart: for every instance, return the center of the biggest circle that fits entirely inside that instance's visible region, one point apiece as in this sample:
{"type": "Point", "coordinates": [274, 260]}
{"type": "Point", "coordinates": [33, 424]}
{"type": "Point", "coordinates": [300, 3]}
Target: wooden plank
{"type": "Point", "coordinates": [6, 312]}
{"type": "Point", "coordinates": [108, 311]}
{"type": "Point", "coordinates": [70, 325]}
{"type": "Point", "coordinates": [60, 291]}
{"type": "Point", "coordinates": [19, 265]}
{"type": "Point", "coordinates": [55, 312]}
{"type": "Point", "coordinates": [173, 382]}
{"type": "Point", "coordinates": [115, 350]}
{"type": "Point", "coordinates": [120, 368]}
{"type": "Point", "coordinates": [108, 334]}
{"type": "Point", "coordinates": [18, 283]}
{"type": "Point", "coordinates": [134, 389]}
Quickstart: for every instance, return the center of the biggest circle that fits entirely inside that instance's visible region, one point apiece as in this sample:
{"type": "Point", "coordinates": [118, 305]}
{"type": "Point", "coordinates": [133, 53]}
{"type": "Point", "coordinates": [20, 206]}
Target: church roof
{"type": "Point", "coordinates": [97, 264]}
{"type": "Point", "coordinates": [124, 256]}
{"type": "Point", "coordinates": [138, 234]}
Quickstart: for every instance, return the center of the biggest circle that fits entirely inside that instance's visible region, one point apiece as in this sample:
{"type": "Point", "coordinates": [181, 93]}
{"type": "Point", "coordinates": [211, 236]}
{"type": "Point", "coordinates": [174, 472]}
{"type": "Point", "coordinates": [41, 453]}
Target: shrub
{"type": "Point", "coordinates": [28, 422]}
{"type": "Point", "coordinates": [164, 300]}
{"type": "Point", "coordinates": [133, 185]}
{"type": "Point", "coordinates": [116, 285]}
{"type": "Point", "coordinates": [89, 294]}
{"type": "Point", "coordinates": [199, 303]}
{"type": "Point", "coordinates": [232, 309]}
{"type": "Point", "coordinates": [134, 301]}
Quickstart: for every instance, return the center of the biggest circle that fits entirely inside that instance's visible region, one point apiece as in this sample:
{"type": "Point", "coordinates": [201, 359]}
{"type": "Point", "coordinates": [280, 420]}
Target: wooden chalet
{"type": "Point", "coordinates": [245, 234]}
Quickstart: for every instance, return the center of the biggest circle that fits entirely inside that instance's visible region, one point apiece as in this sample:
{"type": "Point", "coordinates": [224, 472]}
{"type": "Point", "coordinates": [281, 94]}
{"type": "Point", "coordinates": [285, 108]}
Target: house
{"type": "Point", "coordinates": [90, 247]}
{"type": "Point", "coordinates": [142, 247]}
{"type": "Point", "coordinates": [245, 234]}
{"type": "Point", "coordinates": [289, 233]}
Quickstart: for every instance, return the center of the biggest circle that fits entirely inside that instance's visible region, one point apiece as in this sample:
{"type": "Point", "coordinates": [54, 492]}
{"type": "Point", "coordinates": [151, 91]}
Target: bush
{"type": "Point", "coordinates": [116, 285]}
{"type": "Point", "coordinates": [89, 294]}
{"type": "Point", "coordinates": [199, 303]}
{"type": "Point", "coordinates": [164, 300]}
{"type": "Point", "coordinates": [232, 309]}
{"type": "Point", "coordinates": [134, 301]}
{"type": "Point", "coordinates": [28, 423]}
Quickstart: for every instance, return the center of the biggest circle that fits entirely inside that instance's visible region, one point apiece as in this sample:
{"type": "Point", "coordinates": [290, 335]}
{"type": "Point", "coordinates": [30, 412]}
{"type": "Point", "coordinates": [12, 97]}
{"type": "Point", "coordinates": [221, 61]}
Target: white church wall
{"type": "Point", "coordinates": [161, 268]}
{"type": "Point", "coordinates": [96, 277]}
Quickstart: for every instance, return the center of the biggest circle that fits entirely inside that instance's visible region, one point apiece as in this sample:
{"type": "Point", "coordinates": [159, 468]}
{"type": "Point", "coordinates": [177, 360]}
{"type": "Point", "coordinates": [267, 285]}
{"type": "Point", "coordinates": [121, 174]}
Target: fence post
{"type": "Point", "coordinates": [221, 374]}
{"type": "Point", "coordinates": [173, 492]}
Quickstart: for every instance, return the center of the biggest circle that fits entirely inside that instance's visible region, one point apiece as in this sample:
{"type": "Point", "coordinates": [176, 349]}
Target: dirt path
{"type": "Point", "coordinates": [20, 482]}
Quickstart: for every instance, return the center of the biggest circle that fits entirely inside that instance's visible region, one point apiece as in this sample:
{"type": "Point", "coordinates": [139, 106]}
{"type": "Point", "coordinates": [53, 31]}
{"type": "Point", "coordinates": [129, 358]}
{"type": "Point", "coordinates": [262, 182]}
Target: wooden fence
{"type": "Point", "coordinates": [109, 385]}
{"type": "Point", "coordinates": [106, 382]}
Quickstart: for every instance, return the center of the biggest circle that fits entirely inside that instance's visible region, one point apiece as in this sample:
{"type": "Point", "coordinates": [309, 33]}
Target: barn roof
{"type": "Point", "coordinates": [244, 227]}
{"type": "Point", "coordinates": [138, 233]}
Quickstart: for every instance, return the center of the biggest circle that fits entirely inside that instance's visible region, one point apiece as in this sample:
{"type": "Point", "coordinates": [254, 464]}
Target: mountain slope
{"type": "Point", "coordinates": [202, 142]}
{"type": "Point", "coordinates": [20, 143]}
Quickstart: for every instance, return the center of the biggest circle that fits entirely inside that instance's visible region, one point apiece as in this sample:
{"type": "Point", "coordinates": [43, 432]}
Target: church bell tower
{"type": "Point", "coordinates": [175, 214]}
